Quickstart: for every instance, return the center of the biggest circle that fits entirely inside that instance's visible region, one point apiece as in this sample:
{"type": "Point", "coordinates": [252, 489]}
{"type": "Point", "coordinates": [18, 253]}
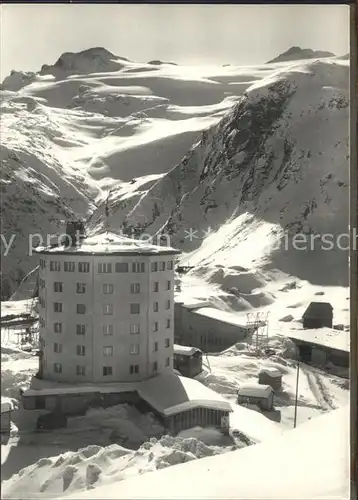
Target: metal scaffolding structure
{"type": "Point", "coordinates": [259, 325]}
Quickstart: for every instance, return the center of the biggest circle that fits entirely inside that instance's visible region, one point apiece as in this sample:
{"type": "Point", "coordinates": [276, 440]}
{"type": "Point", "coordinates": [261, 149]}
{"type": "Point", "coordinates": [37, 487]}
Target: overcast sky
{"type": "Point", "coordinates": [35, 34]}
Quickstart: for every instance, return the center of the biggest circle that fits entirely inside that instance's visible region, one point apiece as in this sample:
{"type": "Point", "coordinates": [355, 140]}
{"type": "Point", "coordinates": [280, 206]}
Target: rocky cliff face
{"type": "Point", "coordinates": [280, 155]}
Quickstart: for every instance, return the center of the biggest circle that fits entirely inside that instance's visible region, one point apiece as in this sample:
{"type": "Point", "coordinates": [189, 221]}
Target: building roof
{"type": "Point", "coordinates": [170, 394]}
{"type": "Point", "coordinates": [318, 310]}
{"type": "Point", "coordinates": [6, 404]}
{"type": "Point", "coordinates": [323, 337]}
{"type": "Point", "coordinates": [185, 350]}
{"type": "Point", "coordinates": [222, 316]}
{"type": "Point", "coordinates": [271, 372]}
{"type": "Point", "coordinates": [167, 393]}
{"type": "Point", "coordinates": [254, 390]}
{"type": "Point", "coordinates": [66, 389]}
{"type": "Point", "coordinates": [108, 243]}
{"type": "Point", "coordinates": [189, 302]}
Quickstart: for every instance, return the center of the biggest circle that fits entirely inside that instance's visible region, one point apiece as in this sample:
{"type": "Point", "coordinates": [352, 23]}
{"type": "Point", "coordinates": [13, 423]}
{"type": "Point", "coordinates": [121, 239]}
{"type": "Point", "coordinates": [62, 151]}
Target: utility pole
{"type": "Point", "coordinates": [298, 374]}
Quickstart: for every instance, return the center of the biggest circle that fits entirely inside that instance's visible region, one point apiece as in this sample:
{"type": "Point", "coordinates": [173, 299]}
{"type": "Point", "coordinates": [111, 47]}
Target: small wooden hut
{"type": "Point", "coordinates": [256, 394]}
{"type": "Point", "coordinates": [271, 377]}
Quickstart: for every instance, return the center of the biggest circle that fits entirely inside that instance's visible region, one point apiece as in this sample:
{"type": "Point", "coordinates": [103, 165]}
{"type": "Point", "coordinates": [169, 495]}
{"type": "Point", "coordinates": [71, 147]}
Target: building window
{"type": "Point", "coordinates": [80, 370]}
{"type": "Point", "coordinates": [81, 287]}
{"type": "Point", "coordinates": [167, 306]}
{"type": "Point", "coordinates": [121, 267]}
{"type": "Point", "coordinates": [57, 307]}
{"type": "Point", "coordinates": [162, 266]}
{"type": "Point", "coordinates": [80, 329]}
{"type": "Point", "coordinates": [154, 267]}
{"type": "Point", "coordinates": [57, 348]}
{"type": "Point", "coordinates": [168, 323]}
{"type": "Point", "coordinates": [169, 285]}
{"type": "Point", "coordinates": [134, 349]}
{"type": "Point", "coordinates": [107, 329]}
{"type": "Point", "coordinates": [107, 288]}
{"type": "Point", "coordinates": [69, 267]}
{"type": "Point", "coordinates": [155, 347]}
{"type": "Point", "coordinates": [134, 329]}
{"type": "Point", "coordinates": [55, 265]}
{"type": "Point", "coordinates": [156, 307]}
{"type": "Point", "coordinates": [155, 366]}
{"type": "Point", "coordinates": [57, 327]}
{"type": "Point", "coordinates": [43, 264]}
{"type": "Point", "coordinates": [135, 288]}
{"type": "Point", "coordinates": [156, 286]}
{"type": "Point", "coordinates": [57, 286]}
{"type": "Point", "coordinates": [83, 267]}
{"type": "Point", "coordinates": [167, 343]}
{"type": "Point", "coordinates": [156, 326]}
{"type": "Point", "coordinates": [108, 350]}
{"type": "Point", "coordinates": [167, 362]}
{"type": "Point", "coordinates": [108, 309]}
{"type": "Point", "coordinates": [135, 308]}
{"type": "Point", "coordinates": [107, 371]}
{"type": "Point", "coordinates": [104, 267]}
{"type": "Point", "coordinates": [81, 309]}
{"type": "Point", "coordinates": [138, 267]}
{"type": "Point", "coordinates": [81, 350]}
{"type": "Point", "coordinates": [133, 369]}
{"type": "Point", "coordinates": [57, 367]}
{"type": "Point", "coordinates": [170, 265]}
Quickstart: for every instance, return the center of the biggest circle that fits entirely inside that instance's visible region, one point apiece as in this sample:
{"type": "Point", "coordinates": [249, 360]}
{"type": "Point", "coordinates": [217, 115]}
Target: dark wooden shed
{"type": "Point", "coordinates": [188, 360]}
{"type": "Point", "coordinates": [318, 315]}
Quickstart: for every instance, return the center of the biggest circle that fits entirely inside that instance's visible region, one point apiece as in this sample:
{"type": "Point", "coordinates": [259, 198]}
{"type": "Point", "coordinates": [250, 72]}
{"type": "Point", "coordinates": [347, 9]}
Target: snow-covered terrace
{"type": "Point", "coordinates": [324, 337]}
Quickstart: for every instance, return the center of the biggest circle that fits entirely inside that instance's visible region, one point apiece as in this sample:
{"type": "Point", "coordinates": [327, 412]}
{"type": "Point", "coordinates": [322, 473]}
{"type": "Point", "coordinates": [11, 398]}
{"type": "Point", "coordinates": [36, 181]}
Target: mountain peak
{"type": "Point", "coordinates": [296, 53]}
{"type": "Point", "coordinates": [85, 61]}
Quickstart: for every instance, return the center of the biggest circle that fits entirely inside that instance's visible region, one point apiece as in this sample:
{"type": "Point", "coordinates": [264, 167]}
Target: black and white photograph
{"type": "Point", "coordinates": [175, 243]}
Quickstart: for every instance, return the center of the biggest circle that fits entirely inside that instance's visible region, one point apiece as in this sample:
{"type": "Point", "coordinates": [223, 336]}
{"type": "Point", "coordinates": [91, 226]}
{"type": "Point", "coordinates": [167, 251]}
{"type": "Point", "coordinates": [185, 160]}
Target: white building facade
{"type": "Point", "coordinates": [106, 310]}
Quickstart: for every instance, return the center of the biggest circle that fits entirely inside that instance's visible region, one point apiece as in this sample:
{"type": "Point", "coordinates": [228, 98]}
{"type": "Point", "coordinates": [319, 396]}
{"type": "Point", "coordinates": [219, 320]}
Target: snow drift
{"type": "Point", "coordinates": [311, 461]}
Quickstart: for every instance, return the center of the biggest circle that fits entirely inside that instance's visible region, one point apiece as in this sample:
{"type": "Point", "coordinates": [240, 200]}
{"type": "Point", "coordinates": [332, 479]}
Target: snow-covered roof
{"type": "Point", "coordinates": [254, 390]}
{"type": "Point", "coordinates": [281, 462]}
{"type": "Point", "coordinates": [325, 337]}
{"type": "Point", "coordinates": [190, 303]}
{"type": "Point", "coordinates": [223, 316]}
{"type": "Point", "coordinates": [109, 243]}
{"type": "Point", "coordinates": [167, 393]}
{"type": "Point", "coordinates": [170, 394]}
{"type": "Point", "coordinates": [64, 389]}
{"type": "Point", "coordinates": [185, 350]}
{"type": "Point", "coordinates": [6, 404]}
{"type": "Point", "coordinates": [271, 372]}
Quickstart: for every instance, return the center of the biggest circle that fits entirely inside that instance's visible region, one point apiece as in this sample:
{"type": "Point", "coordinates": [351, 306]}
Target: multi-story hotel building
{"type": "Point", "coordinates": [106, 310]}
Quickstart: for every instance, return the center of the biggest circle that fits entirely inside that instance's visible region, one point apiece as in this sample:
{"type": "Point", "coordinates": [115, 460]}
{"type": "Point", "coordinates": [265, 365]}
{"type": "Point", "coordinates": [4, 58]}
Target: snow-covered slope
{"type": "Point", "coordinates": [94, 121]}
{"type": "Point", "coordinates": [274, 166]}
{"type": "Point", "coordinates": [39, 186]}
{"type": "Point", "coordinates": [311, 461]}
